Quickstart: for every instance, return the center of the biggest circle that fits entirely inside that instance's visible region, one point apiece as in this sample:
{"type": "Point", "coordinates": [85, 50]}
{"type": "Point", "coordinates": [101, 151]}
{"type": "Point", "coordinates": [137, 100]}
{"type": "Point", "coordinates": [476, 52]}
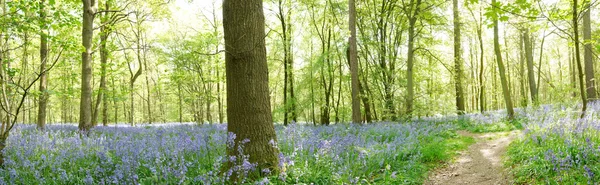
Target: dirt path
{"type": "Point", "coordinates": [481, 164]}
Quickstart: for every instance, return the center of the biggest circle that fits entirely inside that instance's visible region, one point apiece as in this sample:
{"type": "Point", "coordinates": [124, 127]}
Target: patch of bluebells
{"type": "Point", "coordinates": [558, 146]}
{"type": "Point", "coordinates": [194, 154]}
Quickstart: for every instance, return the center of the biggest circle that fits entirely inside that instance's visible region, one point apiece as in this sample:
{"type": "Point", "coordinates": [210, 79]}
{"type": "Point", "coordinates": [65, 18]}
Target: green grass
{"type": "Point", "coordinates": [502, 126]}
{"type": "Point", "coordinates": [555, 159]}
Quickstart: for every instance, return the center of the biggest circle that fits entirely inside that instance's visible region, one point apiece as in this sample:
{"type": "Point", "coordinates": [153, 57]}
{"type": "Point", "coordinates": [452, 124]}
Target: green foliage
{"type": "Point", "coordinates": [500, 126]}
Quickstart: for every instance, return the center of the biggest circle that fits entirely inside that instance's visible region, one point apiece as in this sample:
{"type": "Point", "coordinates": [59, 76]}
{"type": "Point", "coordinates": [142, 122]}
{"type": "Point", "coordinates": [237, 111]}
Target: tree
{"type": "Point", "coordinates": [85, 104]}
{"type": "Point", "coordinates": [288, 63]}
{"type": "Point", "coordinates": [353, 60]}
{"type": "Point", "coordinates": [458, 71]}
{"type": "Point", "coordinates": [588, 53]}
{"type": "Point", "coordinates": [43, 101]}
{"type": "Point", "coordinates": [412, 13]}
{"type": "Point", "coordinates": [578, 58]}
{"type": "Point", "coordinates": [248, 103]}
{"type": "Point", "coordinates": [105, 31]}
{"type": "Point", "coordinates": [533, 89]}
{"type": "Point", "coordinates": [479, 30]}
{"type": "Point", "coordinates": [501, 70]}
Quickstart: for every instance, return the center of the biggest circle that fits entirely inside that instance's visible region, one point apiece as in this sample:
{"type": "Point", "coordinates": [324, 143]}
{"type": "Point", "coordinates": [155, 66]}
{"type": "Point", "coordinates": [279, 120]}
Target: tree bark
{"type": "Point", "coordinates": [522, 56]}
{"type": "Point", "coordinates": [248, 104]}
{"type": "Point", "coordinates": [588, 59]}
{"type": "Point", "coordinates": [481, 66]}
{"type": "Point", "coordinates": [104, 33]}
{"type": "Point", "coordinates": [501, 71]}
{"type": "Point", "coordinates": [410, 58]}
{"type": "Point", "coordinates": [180, 97]}
{"type": "Point", "coordinates": [533, 90]}
{"type": "Point", "coordinates": [85, 104]}
{"type": "Point", "coordinates": [458, 66]}
{"type": "Point", "coordinates": [43, 101]}
{"type": "Point", "coordinates": [353, 59]}
{"type": "Point", "coordinates": [578, 59]}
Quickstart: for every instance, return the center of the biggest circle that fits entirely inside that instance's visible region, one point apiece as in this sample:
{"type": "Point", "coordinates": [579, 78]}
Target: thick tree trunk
{"type": "Point", "coordinates": [410, 58]}
{"type": "Point", "coordinates": [248, 104]}
{"type": "Point", "coordinates": [578, 59]}
{"type": "Point", "coordinates": [41, 117]}
{"type": "Point", "coordinates": [501, 71]}
{"type": "Point", "coordinates": [458, 66]}
{"type": "Point", "coordinates": [85, 104]}
{"type": "Point", "coordinates": [353, 59]}
{"type": "Point", "coordinates": [590, 81]}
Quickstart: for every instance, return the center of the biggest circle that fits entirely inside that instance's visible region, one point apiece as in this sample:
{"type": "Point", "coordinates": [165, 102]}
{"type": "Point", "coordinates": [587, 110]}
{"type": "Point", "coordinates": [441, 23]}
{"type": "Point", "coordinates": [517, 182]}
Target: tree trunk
{"type": "Point", "coordinates": [505, 89]}
{"type": "Point", "coordinates": [353, 59]}
{"type": "Point", "coordinates": [458, 66]}
{"type": "Point", "coordinates": [104, 33]}
{"type": "Point", "coordinates": [410, 58]}
{"type": "Point", "coordinates": [578, 59]}
{"type": "Point", "coordinates": [248, 104]}
{"type": "Point", "coordinates": [85, 104]}
{"type": "Point", "coordinates": [588, 57]}
{"type": "Point", "coordinates": [219, 99]}
{"type": "Point", "coordinates": [573, 72]}
{"type": "Point", "coordinates": [539, 68]}
{"type": "Point", "coordinates": [180, 96]}
{"type": "Point", "coordinates": [41, 117]}
{"type": "Point", "coordinates": [148, 92]}
{"type": "Point", "coordinates": [481, 66]}
{"type": "Point", "coordinates": [522, 56]}
{"type": "Point", "coordinates": [533, 90]}
{"type": "Point", "coordinates": [131, 104]}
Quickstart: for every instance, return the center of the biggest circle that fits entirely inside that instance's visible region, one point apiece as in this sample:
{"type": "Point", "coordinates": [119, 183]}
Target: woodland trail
{"type": "Point", "coordinates": [481, 164]}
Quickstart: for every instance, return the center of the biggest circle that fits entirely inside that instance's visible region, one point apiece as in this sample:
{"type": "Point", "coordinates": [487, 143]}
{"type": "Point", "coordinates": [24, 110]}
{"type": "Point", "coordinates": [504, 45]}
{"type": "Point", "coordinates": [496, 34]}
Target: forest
{"type": "Point", "coordinates": [299, 92]}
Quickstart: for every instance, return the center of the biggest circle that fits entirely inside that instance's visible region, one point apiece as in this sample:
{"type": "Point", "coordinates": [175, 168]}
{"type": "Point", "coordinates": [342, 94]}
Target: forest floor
{"type": "Point", "coordinates": [480, 164]}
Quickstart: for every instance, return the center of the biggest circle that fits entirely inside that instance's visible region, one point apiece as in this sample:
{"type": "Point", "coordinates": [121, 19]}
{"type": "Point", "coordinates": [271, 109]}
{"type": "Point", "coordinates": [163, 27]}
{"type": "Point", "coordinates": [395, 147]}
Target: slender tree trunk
{"type": "Point", "coordinates": [248, 104]}
{"type": "Point", "coordinates": [288, 83]}
{"type": "Point", "coordinates": [104, 33]}
{"type": "Point", "coordinates": [533, 90]}
{"type": "Point", "coordinates": [409, 71]}
{"type": "Point", "coordinates": [501, 71]}
{"type": "Point", "coordinates": [148, 91]}
{"type": "Point", "coordinates": [312, 91]}
{"type": "Point", "coordinates": [131, 104]}
{"type": "Point", "coordinates": [327, 84]}
{"type": "Point", "coordinates": [522, 56]}
{"type": "Point", "coordinates": [85, 104]}
{"type": "Point", "coordinates": [481, 69]}
{"type": "Point", "coordinates": [578, 59]}
{"type": "Point", "coordinates": [539, 68]}
{"type": "Point", "coordinates": [458, 66]}
{"type": "Point", "coordinates": [588, 57]}
{"type": "Point", "coordinates": [180, 96]}
{"type": "Point", "coordinates": [41, 117]}
{"type": "Point", "coordinates": [573, 72]}
{"type": "Point", "coordinates": [219, 99]}
{"type": "Point", "coordinates": [353, 59]}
